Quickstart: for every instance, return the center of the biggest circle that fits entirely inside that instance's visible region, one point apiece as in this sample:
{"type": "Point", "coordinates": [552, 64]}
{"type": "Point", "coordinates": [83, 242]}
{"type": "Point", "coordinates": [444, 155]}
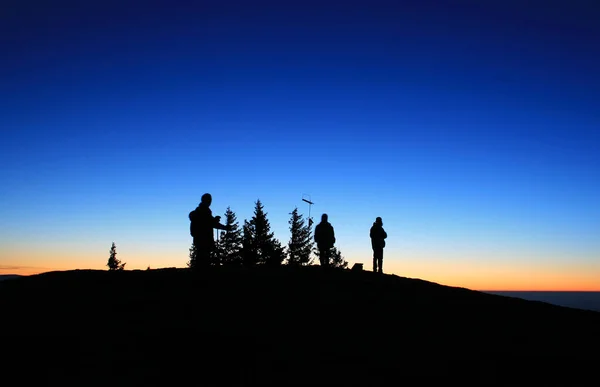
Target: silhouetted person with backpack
{"type": "Point", "coordinates": [202, 223]}
{"type": "Point", "coordinates": [325, 239]}
{"type": "Point", "coordinates": [378, 236]}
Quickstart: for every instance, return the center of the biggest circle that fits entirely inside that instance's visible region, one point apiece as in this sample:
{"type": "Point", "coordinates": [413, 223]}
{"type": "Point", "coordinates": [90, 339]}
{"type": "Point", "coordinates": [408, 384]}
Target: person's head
{"type": "Point", "coordinates": [206, 199]}
{"type": "Point", "coordinates": [324, 218]}
{"type": "Point", "coordinates": [379, 221]}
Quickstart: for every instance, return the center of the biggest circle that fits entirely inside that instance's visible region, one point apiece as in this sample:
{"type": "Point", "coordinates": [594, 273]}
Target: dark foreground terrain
{"type": "Point", "coordinates": [284, 326]}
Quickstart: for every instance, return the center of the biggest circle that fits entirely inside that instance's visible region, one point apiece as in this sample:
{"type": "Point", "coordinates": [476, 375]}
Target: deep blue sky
{"type": "Point", "coordinates": [471, 127]}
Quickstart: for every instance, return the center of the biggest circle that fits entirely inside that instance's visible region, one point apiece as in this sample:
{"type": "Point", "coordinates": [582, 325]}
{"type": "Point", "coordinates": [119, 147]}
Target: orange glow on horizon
{"type": "Point", "coordinates": [475, 274]}
{"type": "Point", "coordinates": [522, 282]}
{"type": "Point", "coordinates": [485, 277]}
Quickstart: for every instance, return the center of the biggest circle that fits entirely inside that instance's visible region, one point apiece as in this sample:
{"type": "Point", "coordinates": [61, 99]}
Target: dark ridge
{"type": "Point", "coordinates": [286, 326]}
{"type": "Point", "coordinates": [8, 276]}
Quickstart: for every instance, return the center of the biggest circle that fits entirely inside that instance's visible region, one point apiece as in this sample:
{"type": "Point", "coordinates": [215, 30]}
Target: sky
{"type": "Point", "coordinates": [472, 128]}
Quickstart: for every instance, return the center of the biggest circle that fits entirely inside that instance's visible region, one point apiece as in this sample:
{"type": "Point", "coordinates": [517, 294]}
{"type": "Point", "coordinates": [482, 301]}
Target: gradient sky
{"type": "Point", "coordinates": [471, 127]}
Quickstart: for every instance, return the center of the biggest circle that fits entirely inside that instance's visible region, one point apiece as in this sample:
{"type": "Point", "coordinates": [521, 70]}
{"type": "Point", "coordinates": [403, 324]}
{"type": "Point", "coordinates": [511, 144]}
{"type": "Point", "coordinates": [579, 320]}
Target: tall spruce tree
{"type": "Point", "coordinates": [113, 262]}
{"type": "Point", "coordinates": [230, 242]}
{"type": "Point", "coordinates": [260, 244]}
{"type": "Point", "coordinates": [300, 245]}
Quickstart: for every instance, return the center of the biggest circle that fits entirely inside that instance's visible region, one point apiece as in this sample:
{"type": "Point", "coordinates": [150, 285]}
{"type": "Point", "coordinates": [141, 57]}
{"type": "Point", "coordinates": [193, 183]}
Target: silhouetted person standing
{"type": "Point", "coordinates": [202, 224]}
{"type": "Point", "coordinates": [378, 236]}
{"type": "Point", "coordinates": [325, 239]}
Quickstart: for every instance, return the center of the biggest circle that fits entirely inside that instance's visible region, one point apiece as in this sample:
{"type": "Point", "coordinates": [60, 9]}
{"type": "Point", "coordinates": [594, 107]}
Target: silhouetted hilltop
{"type": "Point", "coordinates": [8, 276]}
{"type": "Point", "coordinates": [284, 325]}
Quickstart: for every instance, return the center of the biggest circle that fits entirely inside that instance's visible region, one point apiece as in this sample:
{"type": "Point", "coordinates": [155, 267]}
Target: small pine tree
{"type": "Point", "coordinates": [113, 262]}
{"type": "Point", "coordinates": [249, 255]}
{"type": "Point", "coordinates": [217, 252]}
{"type": "Point", "coordinates": [300, 245]}
{"type": "Point", "coordinates": [192, 255]}
{"type": "Point", "coordinates": [274, 252]}
{"type": "Point", "coordinates": [335, 258]}
{"type": "Point", "coordinates": [230, 242]}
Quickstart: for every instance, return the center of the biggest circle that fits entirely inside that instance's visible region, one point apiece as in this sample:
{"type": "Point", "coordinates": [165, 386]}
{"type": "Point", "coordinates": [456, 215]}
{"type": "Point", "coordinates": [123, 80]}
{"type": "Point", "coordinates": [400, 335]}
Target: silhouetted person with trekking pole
{"type": "Point", "coordinates": [325, 239]}
{"type": "Point", "coordinates": [378, 236]}
{"type": "Point", "coordinates": [202, 223]}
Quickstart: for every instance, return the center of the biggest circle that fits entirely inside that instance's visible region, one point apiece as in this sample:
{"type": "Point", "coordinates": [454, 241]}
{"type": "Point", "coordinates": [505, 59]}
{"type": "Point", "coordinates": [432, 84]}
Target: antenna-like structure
{"type": "Point", "coordinates": [310, 203]}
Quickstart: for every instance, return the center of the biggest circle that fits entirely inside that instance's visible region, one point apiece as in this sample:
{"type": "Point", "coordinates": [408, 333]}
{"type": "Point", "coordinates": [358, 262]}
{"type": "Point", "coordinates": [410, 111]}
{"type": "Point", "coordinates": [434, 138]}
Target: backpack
{"type": "Point", "coordinates": [193, 226]}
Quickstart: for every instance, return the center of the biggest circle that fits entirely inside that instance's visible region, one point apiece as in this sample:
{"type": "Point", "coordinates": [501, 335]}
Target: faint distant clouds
{"type": "Point", "coordinates": [15, 269]}
{"type": "Point", "coordinates": [9, 267]}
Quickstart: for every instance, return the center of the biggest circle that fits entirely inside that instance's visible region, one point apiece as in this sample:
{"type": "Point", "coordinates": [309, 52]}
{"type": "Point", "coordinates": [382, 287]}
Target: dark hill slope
{"type": "Point", "coordinates": [8, 276]}
{"type": "Point", "coordinates": [301, 326]}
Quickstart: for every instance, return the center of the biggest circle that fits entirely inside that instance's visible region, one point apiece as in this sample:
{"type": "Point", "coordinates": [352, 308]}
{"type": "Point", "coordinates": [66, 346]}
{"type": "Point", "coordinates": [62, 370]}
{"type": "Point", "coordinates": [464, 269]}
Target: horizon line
{"type": "Point", "coordinates": [473, 289]}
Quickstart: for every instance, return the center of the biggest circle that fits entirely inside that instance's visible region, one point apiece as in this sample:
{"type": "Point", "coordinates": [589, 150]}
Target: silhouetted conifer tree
{"type": "Point", "coordinates": [113, 262]}
{"type": "Point", "coordinates": [300, 245]}
{"type": "Point", "coordinates": [217, 253]}
{"type": "Point", "coordinates": [335, 258]}
{"type": "Point", "coordinates": [192, 255]}
{"type": "Point", "coordinates": [260, 244]}
{"type": "Point", "coordinates": [274, 253]}
{"type": "Point", "coordinates": [230, 242]}
{"type": "Point", "coordinates": [249, 256]}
